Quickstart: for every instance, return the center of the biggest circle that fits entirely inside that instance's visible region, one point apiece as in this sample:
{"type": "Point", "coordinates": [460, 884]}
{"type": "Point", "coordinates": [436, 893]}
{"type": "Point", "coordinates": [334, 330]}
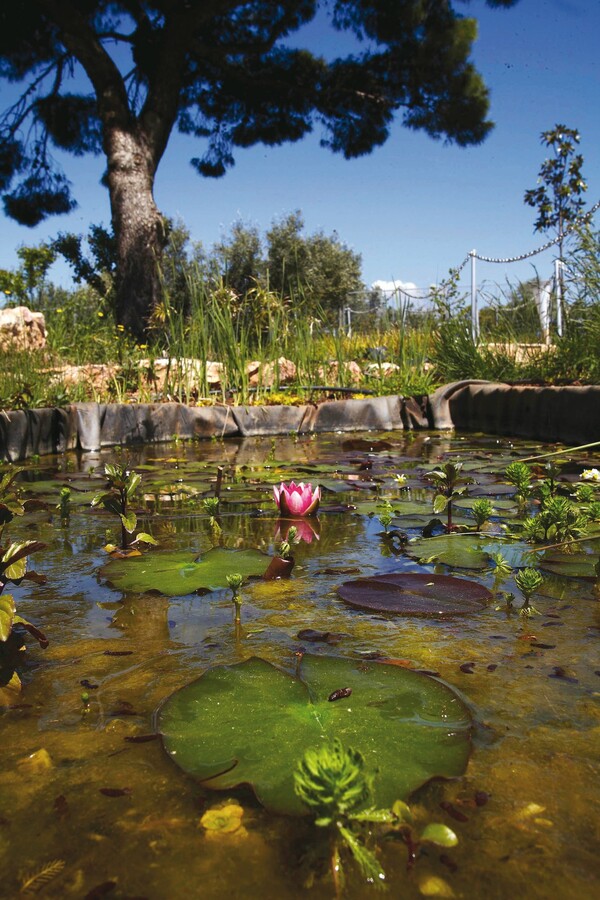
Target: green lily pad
{"type": "Point", "coordinates": [460, 550]}
{"type": "Point", "coordinates": [399, 507]}
{"type": "Point", "coordinates": [502, 506]}
{"type": "Point", "coordinates": [178, 573]}
{"type": "Point", "coordinates": [416, 594]}
{"type": "Point", "coordinates": [466, 551]}
{"type": "Point", "coordinates": [570, 565]}
{"type": "Point", "coordinates": [251, 722]}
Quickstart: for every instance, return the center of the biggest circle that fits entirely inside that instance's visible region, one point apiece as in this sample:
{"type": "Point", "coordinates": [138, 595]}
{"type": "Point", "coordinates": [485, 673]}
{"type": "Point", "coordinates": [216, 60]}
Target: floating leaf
{"type": "Point", "coordinates": [470, 551]}
{"type": "Point", "coordinates": [250, 723]}
{"type": "Point", "coordinates": [570, 565]}
{"type": "Point", "coordinates": [416, 594]}
{"type": "Point", "coordinates": [179, 573]}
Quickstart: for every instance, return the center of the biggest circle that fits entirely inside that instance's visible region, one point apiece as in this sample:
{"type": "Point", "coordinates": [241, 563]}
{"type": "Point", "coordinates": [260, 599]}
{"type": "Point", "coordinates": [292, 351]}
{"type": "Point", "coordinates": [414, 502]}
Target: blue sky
{"type": "Point", "coordinates": [413, 208]}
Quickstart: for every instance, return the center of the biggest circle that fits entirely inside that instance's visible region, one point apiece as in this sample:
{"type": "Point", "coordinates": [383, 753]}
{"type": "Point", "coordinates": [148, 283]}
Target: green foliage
{"type": "Point", "coordinates": [557, 196]}
{"type": "Point", "coordinates": [13, 569]}
{"type": "Point", "coordinates": [234, 583]}
{"type": "Point", "coordinates": [26, 285]}
{"type": "Point", "coordinates": [558, 520]}
{"type": "Point", "coordinates": [449, 485]}
{"type": "Point", "coordinates": [122, 487]}
{"type": "Point", "coordinates": [64, 504]}
{"type": "Point", "coordinates": [98, 269]}
{"type": "Point", "coordinates": [333, 783]}
{"type": "Point", "coordinates": [482, 509]}
{"type": "Point", "coordinates": [528, 582]}
{"type": "Point", "coordinates": [519, 474]}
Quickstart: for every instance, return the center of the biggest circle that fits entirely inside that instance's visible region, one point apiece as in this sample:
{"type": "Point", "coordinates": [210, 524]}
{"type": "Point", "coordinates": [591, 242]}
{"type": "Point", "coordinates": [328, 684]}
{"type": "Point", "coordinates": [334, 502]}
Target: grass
{"type": "Point", "coordinates": [410, 356]}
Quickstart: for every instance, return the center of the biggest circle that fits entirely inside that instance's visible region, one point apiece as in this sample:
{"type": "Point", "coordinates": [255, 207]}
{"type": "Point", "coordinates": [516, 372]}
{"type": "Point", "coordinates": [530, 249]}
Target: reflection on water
{"type": "Point", "coordinates": [75, 787]}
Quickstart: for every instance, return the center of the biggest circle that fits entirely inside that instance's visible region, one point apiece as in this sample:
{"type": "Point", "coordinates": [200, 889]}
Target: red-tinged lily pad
{"type": "Point", "coordinates": [178, 573]}
{"type": "Point", "coordinates": [416, 594]}
{"type": "Point", "coordinates": [250, 723]}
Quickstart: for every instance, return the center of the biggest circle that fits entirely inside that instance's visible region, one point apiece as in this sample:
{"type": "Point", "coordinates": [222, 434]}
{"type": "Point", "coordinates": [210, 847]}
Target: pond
{"type": "Point", "coordinates": [92, 805]}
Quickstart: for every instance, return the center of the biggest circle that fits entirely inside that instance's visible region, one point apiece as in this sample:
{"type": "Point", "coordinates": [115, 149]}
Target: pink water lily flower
{"type": "Point", "coordinates": [297, 499]}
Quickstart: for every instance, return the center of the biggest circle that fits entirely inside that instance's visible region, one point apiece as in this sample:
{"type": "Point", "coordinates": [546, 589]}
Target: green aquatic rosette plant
{"type": "Point", "coordinates": [558, 521]}
{"type": "Point", "coordinates": [519, 474]}
{"type": "Point", "coordinates": [528, 581]}
{"type": "Point", "coordinates": [482, 509]}
{"type": "Point", "coordinates": [332, 781]}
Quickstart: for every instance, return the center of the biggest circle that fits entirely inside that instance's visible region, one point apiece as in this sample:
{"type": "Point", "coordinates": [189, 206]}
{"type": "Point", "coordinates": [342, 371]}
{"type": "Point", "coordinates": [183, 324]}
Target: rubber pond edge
{"type": "Point", "coordinates": [568, 414]}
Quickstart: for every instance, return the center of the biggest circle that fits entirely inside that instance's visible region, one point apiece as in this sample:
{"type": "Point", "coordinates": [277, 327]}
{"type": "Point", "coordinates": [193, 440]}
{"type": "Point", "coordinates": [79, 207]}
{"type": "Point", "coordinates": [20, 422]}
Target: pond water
{"type": "Point", "coordinates": [92, 813]}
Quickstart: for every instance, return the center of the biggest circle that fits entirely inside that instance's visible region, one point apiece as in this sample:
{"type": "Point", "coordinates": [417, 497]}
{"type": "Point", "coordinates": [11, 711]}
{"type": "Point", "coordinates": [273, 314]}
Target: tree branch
{"type": "Point", "coordinates": [83, 43]}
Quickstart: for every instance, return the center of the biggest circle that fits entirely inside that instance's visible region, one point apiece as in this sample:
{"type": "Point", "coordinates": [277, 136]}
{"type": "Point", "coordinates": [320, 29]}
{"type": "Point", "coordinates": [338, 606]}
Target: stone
{"type": "Point", "coordinates": [381, 370]}
{"type": "Point", "coordinates": [22, 329]}
{"type": "Point", "coordinates": [330, 372]}
{"type": "Point", "coordinates": [270, 374]}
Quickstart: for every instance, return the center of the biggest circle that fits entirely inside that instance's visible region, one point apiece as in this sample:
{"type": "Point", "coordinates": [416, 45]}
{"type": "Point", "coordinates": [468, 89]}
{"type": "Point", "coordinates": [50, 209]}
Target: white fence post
{"type": "Point", "coordinates": [474, 311]}
{"type": "Point", "coordinates": [558, 285]}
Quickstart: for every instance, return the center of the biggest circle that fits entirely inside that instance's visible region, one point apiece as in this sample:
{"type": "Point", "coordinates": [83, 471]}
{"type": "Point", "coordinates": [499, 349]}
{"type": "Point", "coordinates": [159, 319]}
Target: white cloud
{"type": "Point", "coordinates": [408, 286]}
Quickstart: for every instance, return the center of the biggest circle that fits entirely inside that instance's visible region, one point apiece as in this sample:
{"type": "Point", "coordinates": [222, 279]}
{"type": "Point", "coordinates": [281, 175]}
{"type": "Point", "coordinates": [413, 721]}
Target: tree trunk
{"type": "Point", "coordinates": [138, 228]}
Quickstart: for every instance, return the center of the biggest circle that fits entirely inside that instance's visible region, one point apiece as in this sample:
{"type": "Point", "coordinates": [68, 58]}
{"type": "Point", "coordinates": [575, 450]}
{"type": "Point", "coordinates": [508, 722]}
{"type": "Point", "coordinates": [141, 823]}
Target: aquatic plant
{"type": "Point", "coordinates": [332, 782]}
{"type": "Point", "coordinates": [519, 474]}
{"type": "Point", "coordinates": [297, 499]}
{"type": "Point", "coordinates": [386, 515]}
{"type": "Point", "coordinates": [122, 486]}
{"type": "Point", "coordinates": [482, 509]}
{"type": "Point", "coordinates": [64, 505]}
{"type": "Point", "coordinates": [283, 562]}
{"type": "Point", "coordinates": [584, 493]}
{"type": "Point", "coordinates": [502, 569]}
{"type": "Point", "coordinates": [449, 486]}
{"type": "Point", "coordinates": [267, 718]}
{"type": "Point", "coordinates": [285, 547]}
{"type": "Point", "coordinates": [558, 521]}
{"type": "Point", "coordinates": [211, 506]}
{"type": "Point", "coordinates": [234, 583]}
{"type": "Point", "coordinates": [528, 581]}
{"type": "Point", "coordinates": [549, 486]}
{"type": "Point", "coordinates": [13, 569]}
